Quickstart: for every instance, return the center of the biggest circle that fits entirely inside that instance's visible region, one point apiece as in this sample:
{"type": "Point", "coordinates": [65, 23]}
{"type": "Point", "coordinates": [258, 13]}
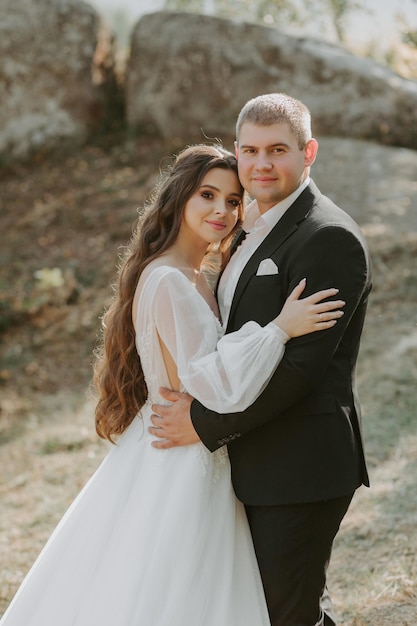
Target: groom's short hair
{"type": "Point", "coordinates": [276, 108]}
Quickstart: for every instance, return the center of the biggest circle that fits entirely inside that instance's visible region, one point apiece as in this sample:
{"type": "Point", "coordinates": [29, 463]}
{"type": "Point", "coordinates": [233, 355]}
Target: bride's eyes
{"type": "Point", "coordinates": [208, 195]}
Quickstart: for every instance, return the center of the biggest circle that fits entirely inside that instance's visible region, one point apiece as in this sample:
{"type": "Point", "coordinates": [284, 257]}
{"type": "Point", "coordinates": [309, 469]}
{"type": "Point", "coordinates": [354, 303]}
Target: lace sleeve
{"type": "Point", "coordinates": [228, 378]}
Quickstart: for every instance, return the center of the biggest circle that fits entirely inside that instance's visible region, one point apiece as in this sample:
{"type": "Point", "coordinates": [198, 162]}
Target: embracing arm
{"type": "Point", "coordinates": [172, 424]}
{"type": "Point", "coordinates": [228, 376]}
{"type": "Point", "coordinates": [332, 255]}
{"type": "Point", "coordinates": [233, 374]}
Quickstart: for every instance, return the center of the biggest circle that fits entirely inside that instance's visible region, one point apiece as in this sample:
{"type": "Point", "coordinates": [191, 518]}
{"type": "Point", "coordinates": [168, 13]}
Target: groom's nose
{"type": "Point", "coordinates": [263, 161]}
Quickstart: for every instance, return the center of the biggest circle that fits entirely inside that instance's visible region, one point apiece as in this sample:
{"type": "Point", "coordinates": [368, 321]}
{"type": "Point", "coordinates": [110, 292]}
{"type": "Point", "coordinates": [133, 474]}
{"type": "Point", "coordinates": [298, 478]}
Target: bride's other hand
{"type": "Point", "coordinates": [307, 315]}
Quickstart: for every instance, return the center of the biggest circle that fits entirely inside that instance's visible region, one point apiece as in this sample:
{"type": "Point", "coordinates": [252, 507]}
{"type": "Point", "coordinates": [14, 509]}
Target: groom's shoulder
{"type": "Point", "coordinates": [326, 211]}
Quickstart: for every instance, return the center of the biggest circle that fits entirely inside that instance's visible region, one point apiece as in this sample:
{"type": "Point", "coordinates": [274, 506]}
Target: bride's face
{"type": "Point", "coordinates": [213, 209]}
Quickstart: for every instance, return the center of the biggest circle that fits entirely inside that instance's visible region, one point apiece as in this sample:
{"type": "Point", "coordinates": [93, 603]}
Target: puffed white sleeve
{"type": "Point", "coordinates": [225, 378]}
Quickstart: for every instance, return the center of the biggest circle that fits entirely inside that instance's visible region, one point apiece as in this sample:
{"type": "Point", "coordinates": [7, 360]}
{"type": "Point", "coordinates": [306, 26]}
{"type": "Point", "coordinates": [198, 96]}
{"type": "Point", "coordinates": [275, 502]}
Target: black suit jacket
{"type": "Point", "coordinates": [300, 441]}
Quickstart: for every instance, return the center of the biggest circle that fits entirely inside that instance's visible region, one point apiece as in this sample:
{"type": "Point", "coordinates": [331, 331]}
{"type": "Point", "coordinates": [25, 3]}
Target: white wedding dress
{"type": "Point", "coordinates": [157, 537]}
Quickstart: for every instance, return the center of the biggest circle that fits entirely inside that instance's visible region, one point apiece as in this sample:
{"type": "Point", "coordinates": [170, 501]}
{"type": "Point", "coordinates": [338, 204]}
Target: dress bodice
{"type": "Point", "coordinates": [224, 372]}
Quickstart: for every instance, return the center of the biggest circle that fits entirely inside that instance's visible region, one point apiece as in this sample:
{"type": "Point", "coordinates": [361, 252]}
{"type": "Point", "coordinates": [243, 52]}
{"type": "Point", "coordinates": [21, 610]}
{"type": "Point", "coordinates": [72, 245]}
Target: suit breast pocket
{"type": "Point", "coordinates": [264, 297]}
{"type": "Point", "coordinates": [267, 283]}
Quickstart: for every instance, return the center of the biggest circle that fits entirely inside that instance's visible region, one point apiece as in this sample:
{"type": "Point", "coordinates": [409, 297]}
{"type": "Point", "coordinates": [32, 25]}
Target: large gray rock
{"type": "Point", "coordinates": [46, 58]}
{"type": "Point", "coordinates": [190, 72]}
{"type": "Point", "coordinates": [373, 183]}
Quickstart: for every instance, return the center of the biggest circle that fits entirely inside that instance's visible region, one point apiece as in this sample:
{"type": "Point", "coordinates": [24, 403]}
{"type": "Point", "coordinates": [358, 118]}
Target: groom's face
{"type": "Point", "coordinates": [271, 164]}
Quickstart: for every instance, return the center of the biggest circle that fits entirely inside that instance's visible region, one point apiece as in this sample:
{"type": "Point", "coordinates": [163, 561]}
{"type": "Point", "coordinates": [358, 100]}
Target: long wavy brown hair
{"type": "Point", "coordinates": [118, 374]}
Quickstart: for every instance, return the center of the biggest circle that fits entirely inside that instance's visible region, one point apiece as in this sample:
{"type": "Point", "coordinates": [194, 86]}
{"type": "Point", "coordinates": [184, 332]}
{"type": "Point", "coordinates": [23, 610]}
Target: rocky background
{"type": "Point", "coordinates": [187, 75]}
{"type": "Point", "coordinates": [81, 147]}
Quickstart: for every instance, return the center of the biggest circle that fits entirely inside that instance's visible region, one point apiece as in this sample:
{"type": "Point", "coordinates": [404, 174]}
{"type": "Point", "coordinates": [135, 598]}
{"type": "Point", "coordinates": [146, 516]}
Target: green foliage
{"type": "Point", "coordinates": [410, 38]}
{"type": "Point", "coordinates": [193, 6]}
{"type": "Point", "coordinates": [274, 12]}
{"type": "Point", "coordinates": [338, 11]}
{"type": "Point", "coordinates": [402, 57]}
{"type": "Point", "coordinates": [326, 16]}
{"type": "Point", "coordinates": [55, 445]}
{"type": "Point", "coordinates": [7, 316]}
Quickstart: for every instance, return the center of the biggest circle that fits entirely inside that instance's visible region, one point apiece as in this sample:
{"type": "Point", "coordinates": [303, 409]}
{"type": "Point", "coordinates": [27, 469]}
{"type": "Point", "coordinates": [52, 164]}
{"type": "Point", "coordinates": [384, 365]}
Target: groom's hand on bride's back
{"type": "Point", "coordinates": [172, 423]}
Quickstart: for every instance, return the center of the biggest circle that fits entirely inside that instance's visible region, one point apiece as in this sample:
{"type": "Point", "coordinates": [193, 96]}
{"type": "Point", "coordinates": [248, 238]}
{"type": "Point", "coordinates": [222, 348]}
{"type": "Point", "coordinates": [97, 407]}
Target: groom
{"type": "Point", "coordinates": [296, 453]}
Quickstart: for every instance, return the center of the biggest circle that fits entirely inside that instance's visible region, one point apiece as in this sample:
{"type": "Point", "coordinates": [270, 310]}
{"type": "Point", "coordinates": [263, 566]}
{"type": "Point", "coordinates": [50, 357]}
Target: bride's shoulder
{"type": "Point", "coordinates": [156, 275]}
{"type": "Point", "coordinates": [157, 270]}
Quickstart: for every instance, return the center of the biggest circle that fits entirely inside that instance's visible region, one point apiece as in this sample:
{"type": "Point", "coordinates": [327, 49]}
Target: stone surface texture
{"type": "Point", "coordinates": [190, 74]}
{"type": "Point", "coordinates": [47, 93]}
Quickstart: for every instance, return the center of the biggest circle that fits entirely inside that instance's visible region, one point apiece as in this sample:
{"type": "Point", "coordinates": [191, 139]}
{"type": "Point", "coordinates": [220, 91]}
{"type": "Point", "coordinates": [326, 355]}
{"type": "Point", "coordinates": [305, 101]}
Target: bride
{"type": "Point", "coordinates": [158, 538]}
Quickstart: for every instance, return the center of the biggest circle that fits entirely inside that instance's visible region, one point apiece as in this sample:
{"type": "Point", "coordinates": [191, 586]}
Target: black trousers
{"type": "Point", "coordinates": [293, 544]}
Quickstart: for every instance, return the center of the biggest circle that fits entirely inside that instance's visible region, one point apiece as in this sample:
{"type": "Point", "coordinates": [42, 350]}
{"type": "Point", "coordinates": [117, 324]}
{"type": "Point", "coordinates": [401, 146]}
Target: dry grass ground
{"type": "Point", "coordinates": [73, 212]}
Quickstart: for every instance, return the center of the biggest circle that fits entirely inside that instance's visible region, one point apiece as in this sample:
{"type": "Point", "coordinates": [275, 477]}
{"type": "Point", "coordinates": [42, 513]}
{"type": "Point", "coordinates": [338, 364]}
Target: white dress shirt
{"type": "Point", "coordinates": [258, 227]}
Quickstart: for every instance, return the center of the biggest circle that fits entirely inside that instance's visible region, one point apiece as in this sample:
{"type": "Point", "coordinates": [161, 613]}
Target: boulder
{"type": "Point", "coordinates": [375, 184]}
{"type": "Point", "coordinates": [189, 75]}
{"type": "Point", "coordinates": [47, 93]}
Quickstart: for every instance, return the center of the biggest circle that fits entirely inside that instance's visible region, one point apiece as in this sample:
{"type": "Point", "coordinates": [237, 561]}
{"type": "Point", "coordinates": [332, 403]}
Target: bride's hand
{"type": "Point", "coordinates": [302, 316]}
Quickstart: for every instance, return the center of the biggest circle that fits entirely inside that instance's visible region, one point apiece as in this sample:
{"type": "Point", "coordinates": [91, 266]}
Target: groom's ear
{"type": "Point", "coordinates": [236, 150]}
{"type": "Point", "coordinates": [310, 152]}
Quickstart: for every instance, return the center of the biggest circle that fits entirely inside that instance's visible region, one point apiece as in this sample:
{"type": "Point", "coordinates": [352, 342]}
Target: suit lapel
{"type": "Point", "coordinates": [286, 226]}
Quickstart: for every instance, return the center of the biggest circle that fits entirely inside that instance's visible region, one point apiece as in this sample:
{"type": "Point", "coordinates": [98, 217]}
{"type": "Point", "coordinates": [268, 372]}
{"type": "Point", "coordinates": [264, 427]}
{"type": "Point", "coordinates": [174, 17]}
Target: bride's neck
{"type": "Point", "coordinates": [187, 256]}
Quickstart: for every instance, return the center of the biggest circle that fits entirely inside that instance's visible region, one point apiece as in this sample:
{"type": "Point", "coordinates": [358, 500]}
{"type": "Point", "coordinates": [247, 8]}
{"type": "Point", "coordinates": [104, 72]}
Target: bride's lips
{"type": "Point", "coordinates": [216, 225]}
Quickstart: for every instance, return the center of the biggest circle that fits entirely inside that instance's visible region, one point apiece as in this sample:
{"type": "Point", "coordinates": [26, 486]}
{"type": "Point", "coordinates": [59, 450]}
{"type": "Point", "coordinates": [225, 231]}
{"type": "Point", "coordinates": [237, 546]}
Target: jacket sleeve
{"type": "Point", "coordinates": [332, 257]}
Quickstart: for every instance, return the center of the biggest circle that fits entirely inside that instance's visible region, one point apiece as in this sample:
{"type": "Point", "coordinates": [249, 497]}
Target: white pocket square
{"type": "Point", "coordinates": [267, 268]}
